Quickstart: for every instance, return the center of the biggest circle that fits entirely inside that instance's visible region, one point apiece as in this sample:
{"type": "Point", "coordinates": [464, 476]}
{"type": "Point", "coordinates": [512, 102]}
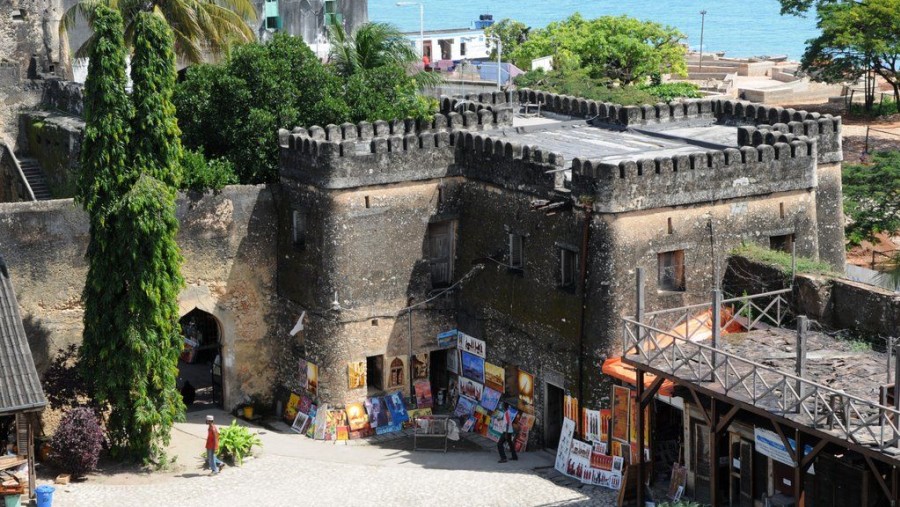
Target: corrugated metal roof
{"type": "Point", "coordinates": [20, 388]}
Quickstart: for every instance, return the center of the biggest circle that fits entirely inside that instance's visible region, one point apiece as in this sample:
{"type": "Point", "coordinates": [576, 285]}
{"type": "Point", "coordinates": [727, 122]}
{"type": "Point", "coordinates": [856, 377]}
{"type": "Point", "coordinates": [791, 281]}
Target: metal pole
{"type": "Point", "coordinates": [800, 366]}
{"type": "Point", "coordinates": [499, 53]}
{"type": "Point", "coordinates": [702, 26]}
{"type": "Point", "coordinates": [639, 304]}
{"type": "Point", "coordinates": [422, 27]}
{"type": "Point", "coordinates": [716, 329]}
{"type": "Point", "coordinates": [409, 369]}
{"type": "Point", "coordinates": [640, 436]}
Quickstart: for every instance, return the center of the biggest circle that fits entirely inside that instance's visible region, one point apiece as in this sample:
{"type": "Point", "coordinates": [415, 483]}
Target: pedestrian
{"type": "Point", "coordinates": [212, 445]}
{"type": "Point", "coordinates": [507, 435]}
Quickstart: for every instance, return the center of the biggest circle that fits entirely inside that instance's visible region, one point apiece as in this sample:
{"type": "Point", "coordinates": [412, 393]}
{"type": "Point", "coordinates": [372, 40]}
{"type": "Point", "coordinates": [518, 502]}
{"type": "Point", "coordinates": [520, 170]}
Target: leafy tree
{"type": "Point", "coordinates": [511, 33]}
{"type": "Point", "coordinates": [872, 196]}
{"type": "Point", "coordinates": [200, 174]}
{"type": "Point", "coordinates": [616, 48]}
{"type": "Point", "coordinates": [383, 92]}
{"type": "Point", "coordinates": [579, 84]}
{"type": "Point", "coordinates": [199, 26]}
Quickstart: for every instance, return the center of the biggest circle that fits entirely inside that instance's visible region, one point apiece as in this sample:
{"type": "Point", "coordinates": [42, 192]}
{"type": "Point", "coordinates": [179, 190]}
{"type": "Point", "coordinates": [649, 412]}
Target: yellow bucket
{"type": "Point", "coordinates": [248, 412]}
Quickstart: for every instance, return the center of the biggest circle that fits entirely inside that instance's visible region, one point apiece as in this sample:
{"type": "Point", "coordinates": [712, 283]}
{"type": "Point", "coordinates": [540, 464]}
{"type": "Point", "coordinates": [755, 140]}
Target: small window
{"type": "Point", "coordinates": [440, 252]}
{"type": "Point", "coordinates": [671, 271]}
{"type": "Point", "coordinates": [375, 373]}
{"type": "Point", "coordinates": [568, 266]}
{"type": "Point", "coordinates": [18, 15]}
{"type": "Point", "coordinates": [516, 251]}
{"type": "Point", "coordinates": [462, 49]}
{"type": "Point", "coordinates": [298, 228]}
{"type": "Point", "coordinates": [783, 243]}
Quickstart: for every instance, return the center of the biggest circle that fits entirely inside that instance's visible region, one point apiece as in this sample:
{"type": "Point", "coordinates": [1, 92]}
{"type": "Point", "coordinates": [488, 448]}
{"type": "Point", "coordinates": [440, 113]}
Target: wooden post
{"type": "Point", "coordinates": [800, 367]}
{"type": "Point", "coordinates": [713, 452]}
{"type": "Point", "coordinates": [716, 329]}
{"type": "Point", "coordinates": [640, 437]}
{"type": "Point", "coordinates": [639, 302]}
{"type": "Point", "coordinates": [799, 471]}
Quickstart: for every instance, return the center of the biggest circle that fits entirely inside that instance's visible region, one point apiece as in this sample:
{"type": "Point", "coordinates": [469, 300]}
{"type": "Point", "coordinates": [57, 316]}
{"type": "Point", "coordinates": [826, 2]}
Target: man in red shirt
{"type": "Point", "coordinates": [212, 445]}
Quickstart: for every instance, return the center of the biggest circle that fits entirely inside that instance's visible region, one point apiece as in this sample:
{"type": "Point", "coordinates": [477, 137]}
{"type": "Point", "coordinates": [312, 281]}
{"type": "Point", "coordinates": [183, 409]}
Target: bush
{"type": "Point", "coordinates": [872, 196]}
{"type": "Point", "coordinates": [66, 388]}
{"type": "Point", "coordinates": [201, 175]}
{"type": "Point", "coordinates": [77, 442]}
{"type": "Point", "coordinates": [579, 84]}
{"type": "Point", "coordinates": [667, 92]}
{"type": "Point", "coordinates": [236, 442]}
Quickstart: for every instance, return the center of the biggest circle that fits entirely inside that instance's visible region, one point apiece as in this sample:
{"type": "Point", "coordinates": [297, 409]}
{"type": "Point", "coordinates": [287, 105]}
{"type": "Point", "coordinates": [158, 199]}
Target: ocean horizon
{"type": "Point", "coordinates": [740, 28]}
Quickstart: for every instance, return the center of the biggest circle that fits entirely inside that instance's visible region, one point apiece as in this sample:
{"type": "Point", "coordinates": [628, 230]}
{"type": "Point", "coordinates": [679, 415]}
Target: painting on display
{"type": "Point", "coordinates": [470, 388]}
{"type": "Point", "coordinates": [482, 421]}
{"type": "Point", "coordinates": [490, 398]}
{"type": "Point", "coordinates": [301, 421]}
{"type": "Point", "coordinates": [570, 410]}
{"type": "Point", "coordinates": [526, 422]}
{"type": "Point", "coordinates": [473, 367]}
{"type": "Point", "coordinates": [377, 412]}
{"type": "Point", "coordinates": [356, 373]}
{"type": "Point", "coordinates": [311, 427]}
{"type": "Point", "coordinates": [620, 419]}
{"type": "Point", "coordinates": [447, 339]}
{"type": "Point", "coordinates": [423, 394]}
{"type": "Point", "coordinates": [388, 428]}
{"type": "Point", "coordinates": [526, 392]}
{"type": "Point", "coordinates": [634, 424]}
{"type": "Point", "coordinates": [599, 459]}
{"type": "Point", "coordinates": [290, 409]}
{"type": "Point", "coordinates": [396, 407]}
{"type": "Point", "coordinates": [469, 425]}
{"type": "Point", "coordinates": [321, 423]}
{"type": "Point", "coordinates": [305, 404]}
{"type": "Point", "coordinates": [564, 446]}
{"type": "Point", "coordinates": [395, 372]}
{"type": "Point", "coordinates": [312, 378]}
{"type": "Point", "coordinates": [471, 345]}
{"type": "Point", "coordinates": [494, 376]}
{"type": "Point", "coordinates": [605, 419]}
{"type": "Point", "coordinates": [356, 416]}
{"type": "Point", "coordinates": [591, 425]}
{"type": "Point", "coordinates": [465, 406]}
{"type": "Point", "coordinates": [498, 425]}
{"type": "Point", "coordinates": [579, 462]}
{"type": "Point", "coordinates": [453, 361]}
{"type": "Point", "coordinates": [420, 365]}
{"type": "Point", "coordinates": [303, 374]}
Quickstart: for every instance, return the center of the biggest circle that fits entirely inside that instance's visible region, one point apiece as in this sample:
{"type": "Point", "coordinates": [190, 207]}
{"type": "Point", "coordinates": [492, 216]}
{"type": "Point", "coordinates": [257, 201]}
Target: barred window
{"type": "Point", "coordinates": [568, 266]}
{"type": "Point", "coordinates": [671, 270]}
{"type": "Point", "coordinates": [517, 251]}
{"type": "Point", "coordinates": [298, 228]}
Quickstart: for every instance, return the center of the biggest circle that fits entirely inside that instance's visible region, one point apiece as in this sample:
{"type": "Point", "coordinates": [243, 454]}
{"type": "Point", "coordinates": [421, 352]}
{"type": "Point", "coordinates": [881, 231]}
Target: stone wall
{"type": "Point", "coordinates": [12, 182]}
{"type": "Point", "coordinates": [228, 243]}
{"type": "Point", "coordinates": [54, 140]}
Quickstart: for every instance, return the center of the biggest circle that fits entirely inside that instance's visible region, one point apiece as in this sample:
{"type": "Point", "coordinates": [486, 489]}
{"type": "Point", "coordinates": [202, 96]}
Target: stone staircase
{"type": "Point", "coordinates": [36, 179]}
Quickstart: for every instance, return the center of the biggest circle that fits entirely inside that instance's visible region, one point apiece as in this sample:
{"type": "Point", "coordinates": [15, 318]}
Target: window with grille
{"type": "Point", "coordinates": [332, 13]}
{"type": "Point", "coordinates": [568, 267]}
{"type": "Point", "coordinates": [516, 251]}
{"type": "Point", "coordinates": [298, 228]}
{"type": "Point", "coordinates": [671, 271]}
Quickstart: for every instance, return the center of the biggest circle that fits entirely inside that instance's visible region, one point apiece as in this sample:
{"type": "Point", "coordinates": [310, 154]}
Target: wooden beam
{"type": "Point", "coordinates": [640, 438]}
{"type": "Point", "coordinates": [648, 395]}
{"type": "Point", "coordinates": [713, 453]}
{"type": "Point", "coordinates": [727, 418]}
{"type": "Point", "coordinates": [700, 406]}
{"type": "Point", "coordinates": [874, 468]}
{"type": "Point", "coordinates": [786, 442]}
{"type": "Point", "coordinates": [808, 458]}
{"type": "Point", "coordinates": [799, 473]}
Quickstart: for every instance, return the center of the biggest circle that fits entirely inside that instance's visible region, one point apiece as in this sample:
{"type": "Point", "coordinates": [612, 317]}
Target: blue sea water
{"type": "Point", "coordinates": [738, 27]}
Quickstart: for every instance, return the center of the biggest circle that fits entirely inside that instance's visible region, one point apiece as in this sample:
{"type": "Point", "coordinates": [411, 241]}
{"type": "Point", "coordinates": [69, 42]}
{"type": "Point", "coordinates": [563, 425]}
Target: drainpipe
{"type": "Point", "coordinates": [587, 206]}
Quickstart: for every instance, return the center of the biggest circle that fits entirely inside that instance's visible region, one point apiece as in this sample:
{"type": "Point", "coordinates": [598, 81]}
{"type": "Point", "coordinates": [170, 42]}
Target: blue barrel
{"type": "Point", "coordinates": [44, 495]}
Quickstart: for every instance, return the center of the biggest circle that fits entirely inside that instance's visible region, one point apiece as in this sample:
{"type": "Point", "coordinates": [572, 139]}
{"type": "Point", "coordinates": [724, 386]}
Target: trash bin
{"type": "Point", "coordinates": [13, 500]}
{"type": "Point", "coordinates": [44, 495]}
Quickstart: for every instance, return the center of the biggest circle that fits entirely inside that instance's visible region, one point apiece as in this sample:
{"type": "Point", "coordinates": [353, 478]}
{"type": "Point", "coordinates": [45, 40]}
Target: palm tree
{"type": "Point", "coordinates": [200, 26]}
{"type": "Point", "coordinates": [375, 45]}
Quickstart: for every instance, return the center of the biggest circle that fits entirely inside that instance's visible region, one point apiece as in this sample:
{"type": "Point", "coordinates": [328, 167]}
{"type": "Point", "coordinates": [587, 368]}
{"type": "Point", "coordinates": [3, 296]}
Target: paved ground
{"type": "Point", "coordinates": [293, 470]}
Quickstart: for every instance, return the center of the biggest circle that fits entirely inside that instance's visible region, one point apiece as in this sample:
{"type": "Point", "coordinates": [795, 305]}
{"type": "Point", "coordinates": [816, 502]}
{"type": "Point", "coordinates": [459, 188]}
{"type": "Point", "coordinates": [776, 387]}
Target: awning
{"type": "Point", "coordinates": [614, 367]}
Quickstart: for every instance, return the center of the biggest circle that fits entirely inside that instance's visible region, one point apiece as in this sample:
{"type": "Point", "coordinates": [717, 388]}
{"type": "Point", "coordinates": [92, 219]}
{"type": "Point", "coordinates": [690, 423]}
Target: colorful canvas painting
{"type": "Point", "coordinates": [311, 427]}
{"type": "Point", "coordinates": [321, 422]}
{"type": "Point", "coordinates": [356, 374]}
{"type": "Point", "coordinates": [469, 425]}
{"type": "Point", "coordinates": [303, 374]}
{"type": "Point", "coordinates": [579, 460]}
{"type": "Point", "coordinates": [591, 425]}
{"type": "Point", "coordinates": [498, 425]}
{"type": "Point", "coordinates": [472, 367]}
{"type": "Point", "coordinates": [570, 410]}
{"type": "Point", "coordinates": [494, 376]}
{"type": "Point", "coordinates": [600, 460]}
{"type": "Point", "coordinates": [421, 366]}
{"type": "Point", "coordinates": [301, 421]}
{"type": "Point", "coordinates": [377, 412]}
{"type": "Point", "coordinates": [490, 398]}
{"type": "Point", "coordinates": [605, 419]}
{"type": "Point", "coordinates": [565, 445]}
{"type": "Point", "coordinates": [356, 416]}
{"type": "Point", "coordinates": [620, 419]}
{"type": "Point", "coordinates": [395, 372]}
{"type": "Point", "coordinates": [388, 428]}
{"type": "Point", "coordinates": [290, 409]}
{"type": "Point", "coordinates": [471, 345]}
{"type": "Point", "coordinates": [482, 421]}
{"type": "Point", "coordinates": [465, 407]}
{"type": "Point", "coordinates": [305, 404]}
{"type": "Point", "coordinates": [397, 407]}
{"type": "Point", "coordinates": [343, 432]}
{"type": "Point", "coordinates": [447, 339]}
{"type": "Point", "coordinates": [453, 361]}
{"type": "Point", "coordinates": [312, 379]}
{"type": "Point", "coordinates": [526, 392]}
{"type": "Point", "coordinates": [470, 388]}
{"type": "Point", "coordinates": [423, 394]}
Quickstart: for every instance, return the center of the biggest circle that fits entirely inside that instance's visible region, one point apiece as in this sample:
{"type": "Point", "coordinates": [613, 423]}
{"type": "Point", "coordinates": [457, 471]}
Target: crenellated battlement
{"type": "Point", "coordinates": [698, 177]}
{"type": "Point", "coordinates": [509, 164]}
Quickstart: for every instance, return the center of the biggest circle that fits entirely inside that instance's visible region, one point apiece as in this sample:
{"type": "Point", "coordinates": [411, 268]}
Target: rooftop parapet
{"type": "Point", "coordinates": [508, 164]}
{"type": "Point", "coordinates": [825, 129]}
{"type": "Point", "coordinates": [705, 176]}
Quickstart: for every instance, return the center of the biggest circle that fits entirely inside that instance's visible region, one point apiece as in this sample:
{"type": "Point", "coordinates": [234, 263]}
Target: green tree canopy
{"type": "Point", "coordinates": [872, 196]}
{"type": "Point", "coordinates": [616, 48]}
{"type": "Point", "coordinates": [511, 33]}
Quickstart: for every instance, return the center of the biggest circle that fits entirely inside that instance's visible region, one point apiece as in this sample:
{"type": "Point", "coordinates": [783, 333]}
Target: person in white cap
{"type": "Point", "coordinates": [212, 445]}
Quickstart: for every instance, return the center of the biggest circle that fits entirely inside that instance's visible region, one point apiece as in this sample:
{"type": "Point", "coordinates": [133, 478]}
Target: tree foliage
{"type": "Point", "coordinates": [615, 48]}
{"type": "Point", "coordinates": [579, 84]}
{"type": "Point", "coordinates": [130, 346]}
{"type": "Point", "coordinates": [199, 26]}
{"type": "Point", "coordinates": [233, 110]}
{"type": "Point", "coordinates": [511, 33]}
{"type": "Point", "coordinates": [872, 196]}
{"type": "Point", "coordinates": [78, 441]}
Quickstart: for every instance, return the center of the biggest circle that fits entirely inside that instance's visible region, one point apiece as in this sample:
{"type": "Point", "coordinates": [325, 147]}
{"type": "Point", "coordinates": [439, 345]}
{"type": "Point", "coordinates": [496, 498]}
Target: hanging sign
{"type": "Point", "coordinates": [768, 443]}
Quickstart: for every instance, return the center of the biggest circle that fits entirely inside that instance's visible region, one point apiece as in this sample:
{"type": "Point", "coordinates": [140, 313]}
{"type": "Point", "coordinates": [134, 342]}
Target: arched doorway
{"type": "Point", "coordinates": [199, 366]}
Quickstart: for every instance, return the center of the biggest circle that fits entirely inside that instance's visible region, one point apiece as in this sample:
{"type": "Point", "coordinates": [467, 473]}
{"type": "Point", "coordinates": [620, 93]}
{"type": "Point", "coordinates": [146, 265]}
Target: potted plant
{"type": "Point", "coordinates": [237, 442]}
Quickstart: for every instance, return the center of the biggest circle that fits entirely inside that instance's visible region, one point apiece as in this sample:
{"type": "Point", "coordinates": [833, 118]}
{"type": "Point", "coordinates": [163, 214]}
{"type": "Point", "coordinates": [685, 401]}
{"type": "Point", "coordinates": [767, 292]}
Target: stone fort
{"type": "Point", "coordinates": [522, 230]}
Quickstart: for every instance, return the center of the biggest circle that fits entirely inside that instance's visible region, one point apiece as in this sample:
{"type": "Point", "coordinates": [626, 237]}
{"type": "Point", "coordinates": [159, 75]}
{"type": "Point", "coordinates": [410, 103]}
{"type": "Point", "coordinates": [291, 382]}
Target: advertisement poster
{"type": "Point", "coordinates": [290, 409]}
{"type": "Point", "coordinates": [447, 339]}
{"type": "Point", "coordinates": [312, 378]}
{"type": "Point", "coordinates": [471, 345]}
{"type": "Point", "coordinates": [565, 444]}
{"type": "Point", "coordinates": [592, 427]}
{"type": "Point", "coordinates": [302, 374]}
{"type": "Point", "coordinates": [473, 367]}
{"type": "Point", "coordinates": [620, 419]}
{"type": "Point", "coordinates": [494, 377]}
{"type": "Point", "coordinates": [356, 416]}
{"type": "Point", "coordinates": [526, 393]}
{"type": "Point", "coordinates": [378, 412]}
{"type": "Point", "coordinates": [470, 388]}
{"type": "Point", "coordinates": [423, 394]}
{"type": "Point", "coordinates": [453, 361]}
{"type": "Point", "coordinates": [396, 407]}
{"type": "Point", "coordinates": [465, 406]}
{"type": "Point", "coordinates": [490, 398]}
{"type": "Point", "coordinates": [395, 372]}
{"type": "Point", "coordinates": [420, 364]}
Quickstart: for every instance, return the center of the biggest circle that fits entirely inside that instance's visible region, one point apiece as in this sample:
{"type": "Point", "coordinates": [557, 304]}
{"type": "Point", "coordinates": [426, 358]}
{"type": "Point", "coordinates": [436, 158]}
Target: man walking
{"type": "Point", "coordinates": [507, 435]}
{"type": "Point", "coordinates": [212, 445]}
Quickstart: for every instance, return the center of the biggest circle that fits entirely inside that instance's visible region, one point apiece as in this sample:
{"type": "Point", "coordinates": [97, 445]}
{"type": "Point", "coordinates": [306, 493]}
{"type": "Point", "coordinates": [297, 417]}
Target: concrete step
{"type": "Point", "coordinates": [31, 168]}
